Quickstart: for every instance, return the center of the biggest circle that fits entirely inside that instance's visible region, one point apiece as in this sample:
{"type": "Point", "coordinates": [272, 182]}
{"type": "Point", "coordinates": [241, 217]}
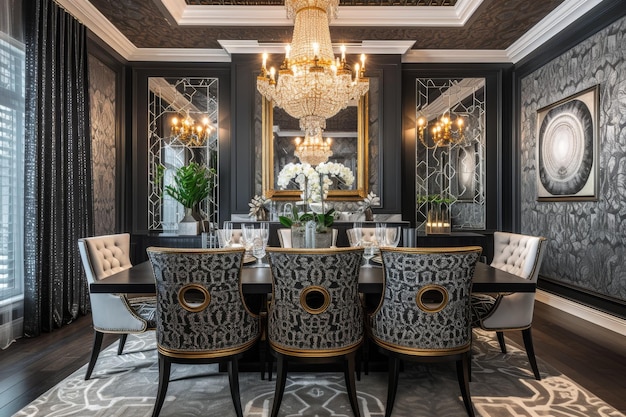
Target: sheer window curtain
{"type": "Point", "coordinates": [11, 171]}
{"type": "Point", "coordinates": [58, 188]}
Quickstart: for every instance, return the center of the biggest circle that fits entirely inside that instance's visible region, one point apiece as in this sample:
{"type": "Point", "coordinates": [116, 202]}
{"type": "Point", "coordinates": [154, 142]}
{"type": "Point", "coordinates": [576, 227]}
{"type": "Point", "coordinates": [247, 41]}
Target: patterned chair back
{"type": "Point", "coordinates": [315, 304]}
{"type": "Point", "coordinates": [425, 308]}
{"type": "Point", "coordinates": [200, 309]}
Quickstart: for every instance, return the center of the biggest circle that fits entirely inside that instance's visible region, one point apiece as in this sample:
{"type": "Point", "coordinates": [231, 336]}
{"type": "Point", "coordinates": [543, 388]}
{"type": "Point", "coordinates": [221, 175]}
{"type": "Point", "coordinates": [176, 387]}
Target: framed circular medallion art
{"type": "Point", "coordinates": [567, 149]}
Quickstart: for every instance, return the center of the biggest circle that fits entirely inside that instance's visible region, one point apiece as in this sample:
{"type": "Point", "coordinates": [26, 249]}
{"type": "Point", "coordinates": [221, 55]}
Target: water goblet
{"type": "Point", "coordinates": [247, 233]}
{"type": "Point", "coordinates": [258, 250]}
{"type": "Point", "coordinates": [369, 250]}
{"type": "Point", "coordinates": [264, 232]}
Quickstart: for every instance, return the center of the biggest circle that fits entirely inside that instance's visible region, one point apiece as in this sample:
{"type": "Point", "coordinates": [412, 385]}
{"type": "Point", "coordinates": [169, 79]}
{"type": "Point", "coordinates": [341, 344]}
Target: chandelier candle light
{"type": "Point", "coordinates": [444, 132]}
{"type": "Point", "coordinates": [312, 84]}
{"type": "Point", "coordinates": [186, 130]}
{"type": "Point", "coordinates": [313, 150]}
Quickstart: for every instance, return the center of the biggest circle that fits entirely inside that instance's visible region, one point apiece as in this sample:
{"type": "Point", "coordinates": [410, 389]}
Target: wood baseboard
{"type": "Point", "coordinates": [584, 312]}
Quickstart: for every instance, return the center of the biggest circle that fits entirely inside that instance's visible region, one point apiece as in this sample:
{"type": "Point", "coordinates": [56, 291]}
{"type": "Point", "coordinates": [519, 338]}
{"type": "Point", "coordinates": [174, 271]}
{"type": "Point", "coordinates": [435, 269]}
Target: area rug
{"type": "Point", "coordinates": [502, 386]}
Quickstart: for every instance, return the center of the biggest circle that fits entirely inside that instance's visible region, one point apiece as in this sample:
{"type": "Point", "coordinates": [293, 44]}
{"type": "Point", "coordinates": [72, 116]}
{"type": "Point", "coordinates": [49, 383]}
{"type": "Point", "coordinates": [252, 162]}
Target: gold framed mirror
{"type": "Point", "coordinates": [348, 131]}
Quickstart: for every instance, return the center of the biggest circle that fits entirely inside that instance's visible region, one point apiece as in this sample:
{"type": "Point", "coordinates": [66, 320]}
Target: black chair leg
{"type": "Point", "coordinates": [392, 384]}
{"type": "Point", "coordinates": [165, 366]}
{"type": "Point", "coordinates": [530, 352]}
{"type": "Point", "coordinates": [120, 347]}
{"type": "Point", "coordinates": [95, 351]}
{"type": "Point", "coordinates": [281, 379]}
{"type": "Point", "coordinates": [233, 380]}
{"type": "Point", "coordinates": [501, 341]}
{"type": "Point", "coordinates": [462, 372]}
{"type": "Point", "coordinates": [348, 372]}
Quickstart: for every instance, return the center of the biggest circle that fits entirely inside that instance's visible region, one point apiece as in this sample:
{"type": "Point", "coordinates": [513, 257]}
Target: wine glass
{"type": "Point", "coordinates": [258, 250]}
{"type": "Point", "coordinates": [393, 236]}
{"type": "Point", "coordinates": [369, 250]}
{"type": "Point", "coordinates": [247, 233]}
{"type": "Point", "coordinates": [227, 234]}
{"type": "Point", "coordinates": [357, 230]}
{"type": "Point", "coordinates": [381, 234]}
{"type": "Point", "coordinates": [264, 232]}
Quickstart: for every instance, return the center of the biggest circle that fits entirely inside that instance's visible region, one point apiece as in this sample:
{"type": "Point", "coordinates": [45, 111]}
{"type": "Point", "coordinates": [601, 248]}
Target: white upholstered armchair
{"type": "Point", "coordinates": [103, 256]}
{"type": "Point", "coordinates": [520, 255]}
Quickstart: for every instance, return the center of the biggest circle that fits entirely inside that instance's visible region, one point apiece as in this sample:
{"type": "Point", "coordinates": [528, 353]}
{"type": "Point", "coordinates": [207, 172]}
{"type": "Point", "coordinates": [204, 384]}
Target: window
{"type": "Point", "coordinates": [11, 166]}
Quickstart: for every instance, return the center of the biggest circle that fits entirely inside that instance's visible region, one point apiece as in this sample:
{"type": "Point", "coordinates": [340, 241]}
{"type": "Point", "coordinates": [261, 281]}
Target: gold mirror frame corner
{"type": "Point", "coordinates": [333, 195]}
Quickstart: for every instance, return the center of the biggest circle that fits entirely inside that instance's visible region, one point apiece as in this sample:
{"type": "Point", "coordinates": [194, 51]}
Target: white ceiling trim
{"type": "Point", "coordinates": [564, 15]}
{"type": "Point", "coordinates": [455, 56]}
{"type": "Point", "coordinates": [364, 47]}
{"type": "Point", "coordinates": [194, 15]}
{"type": "Point", "coordinates": [91, 17]}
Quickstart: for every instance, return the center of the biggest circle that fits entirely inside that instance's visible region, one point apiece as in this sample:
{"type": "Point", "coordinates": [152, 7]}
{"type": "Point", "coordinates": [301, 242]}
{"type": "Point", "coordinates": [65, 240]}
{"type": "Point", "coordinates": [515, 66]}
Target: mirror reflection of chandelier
{"type": "Point", "coordinates": [185, 129]}
{"type": "Point", "coordinates": [313, 150]}
{"type": "Point", "coordinates": [444, 132]}
{"type": "Point", "coordinates": [312, 84]}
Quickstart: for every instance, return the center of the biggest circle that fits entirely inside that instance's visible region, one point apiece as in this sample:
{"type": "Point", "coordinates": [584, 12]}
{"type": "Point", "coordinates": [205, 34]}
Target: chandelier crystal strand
{"type": "Point", "coordinates": [312, 84]}
{"type": "Point", "coordinates": [313, 150]}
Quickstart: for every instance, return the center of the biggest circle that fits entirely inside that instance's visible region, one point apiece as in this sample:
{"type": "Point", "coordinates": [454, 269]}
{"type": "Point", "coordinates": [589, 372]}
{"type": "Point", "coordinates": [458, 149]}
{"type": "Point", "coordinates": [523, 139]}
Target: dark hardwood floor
{"type": "Point", "coordinates": [592, 356]}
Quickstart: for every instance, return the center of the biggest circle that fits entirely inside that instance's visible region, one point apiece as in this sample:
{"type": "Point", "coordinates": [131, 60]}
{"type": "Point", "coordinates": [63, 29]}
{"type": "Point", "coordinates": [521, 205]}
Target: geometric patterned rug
{"type": "Point", "coordinates": [502, 386]}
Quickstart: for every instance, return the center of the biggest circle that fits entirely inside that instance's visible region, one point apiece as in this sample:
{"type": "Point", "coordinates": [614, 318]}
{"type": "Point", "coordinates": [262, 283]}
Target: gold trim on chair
{"type": "Point", "coordinates": [421, 352]}
{"type": "Point", "coordinates": [313, 290]}
{"type": "Point", "coordinates": [173, 353]}
{"type": "Point", "coordinates": [315, 353]}
{"type": "Point", "coordinates": [192, 305]}
{"type": "Point", "coordinates": [431, 307]}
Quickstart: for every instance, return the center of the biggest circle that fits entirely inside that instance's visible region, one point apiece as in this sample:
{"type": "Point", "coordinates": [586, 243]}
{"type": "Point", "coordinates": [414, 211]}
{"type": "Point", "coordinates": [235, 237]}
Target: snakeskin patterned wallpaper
{"type": "Point", "coordinates": [102, 81]}
{"type": "Point", "coordinates": [587, 240]}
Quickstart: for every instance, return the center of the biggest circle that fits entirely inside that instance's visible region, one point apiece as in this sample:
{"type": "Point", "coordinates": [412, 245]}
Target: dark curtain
{"type": "Point", "coordinates": [58, 191]}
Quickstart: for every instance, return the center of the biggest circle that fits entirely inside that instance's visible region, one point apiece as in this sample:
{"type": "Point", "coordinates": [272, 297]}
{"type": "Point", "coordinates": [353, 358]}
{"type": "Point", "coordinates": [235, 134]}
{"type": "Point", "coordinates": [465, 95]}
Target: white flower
{"type": "Point", "coordinates": [308, 178]}
{"type": "Point", "coordinates": [368, 202]}
{"type": "Point", "coordinates": [257, 204]}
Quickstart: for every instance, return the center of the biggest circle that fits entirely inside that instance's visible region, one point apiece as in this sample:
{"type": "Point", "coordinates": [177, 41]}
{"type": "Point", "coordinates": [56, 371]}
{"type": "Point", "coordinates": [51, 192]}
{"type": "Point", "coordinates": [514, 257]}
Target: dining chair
{"type": "Point", "coordinates": [424, 313]}
{"type": "Point", "coordinates": [284, 237]}
{"type": "Point", "coordinates": [201, 315]}
{"type": "Point", "coordinates": [315, 314]}
{"type": "Point", "coordinates": [103, 256]}
{"type": "Point", "coordinates": [520, 255]}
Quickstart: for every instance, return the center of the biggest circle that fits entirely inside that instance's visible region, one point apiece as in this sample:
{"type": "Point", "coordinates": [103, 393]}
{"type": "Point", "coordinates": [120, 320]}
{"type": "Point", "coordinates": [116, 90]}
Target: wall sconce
{"type": "Point", "coordinates": [444, 132]}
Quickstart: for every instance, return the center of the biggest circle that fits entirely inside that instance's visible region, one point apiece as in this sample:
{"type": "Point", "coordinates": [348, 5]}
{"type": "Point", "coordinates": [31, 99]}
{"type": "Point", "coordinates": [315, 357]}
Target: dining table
{"type": "Point", "coordinates": [257, 279]}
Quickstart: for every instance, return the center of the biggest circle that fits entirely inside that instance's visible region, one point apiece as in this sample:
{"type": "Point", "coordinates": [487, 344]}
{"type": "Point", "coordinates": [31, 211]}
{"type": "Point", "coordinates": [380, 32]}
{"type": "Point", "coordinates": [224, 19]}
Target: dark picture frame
{"type": "Point", "coordinates": [567, 148]}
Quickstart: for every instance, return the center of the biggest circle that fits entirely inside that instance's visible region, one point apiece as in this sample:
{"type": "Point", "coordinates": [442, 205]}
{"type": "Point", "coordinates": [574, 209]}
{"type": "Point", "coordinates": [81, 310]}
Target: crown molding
{"type": "Point", "coordinates": [179, 55]}
{"type": "Point", "coordinates": [194, 15]}
{"type": "Point", "coordinates": [364, 47]}
{"type": "Point", "coordinates": [455, 56]}
{"type": "Point", "coordinates": [564, 15]}
{"type": "Point", "coordinates": [95, 21]}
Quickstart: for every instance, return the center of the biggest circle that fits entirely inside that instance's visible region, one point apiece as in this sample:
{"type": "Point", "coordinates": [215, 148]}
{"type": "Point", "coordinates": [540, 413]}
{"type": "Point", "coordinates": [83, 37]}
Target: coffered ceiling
{"type": "Point", "coordinates": [419, 30]}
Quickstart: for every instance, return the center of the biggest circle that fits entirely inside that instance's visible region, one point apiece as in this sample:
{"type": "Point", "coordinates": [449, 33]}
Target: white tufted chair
{"type": "Point", "coordinates": [284, 236]}
{"type": "Point", "coordinates": [103, 256]}
{"type": "Point", "coordinates": [520, 255]}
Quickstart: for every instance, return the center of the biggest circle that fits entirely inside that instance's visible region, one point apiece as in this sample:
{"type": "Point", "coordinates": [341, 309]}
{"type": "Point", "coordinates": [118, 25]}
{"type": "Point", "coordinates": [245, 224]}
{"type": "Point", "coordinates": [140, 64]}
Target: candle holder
{"type": "Point", "coordinates": [438, 220]}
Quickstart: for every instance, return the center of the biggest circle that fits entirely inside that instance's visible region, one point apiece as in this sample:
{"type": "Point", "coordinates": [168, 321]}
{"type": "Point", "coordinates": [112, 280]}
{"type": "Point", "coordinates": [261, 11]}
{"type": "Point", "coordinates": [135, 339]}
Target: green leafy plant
{"type": "Point", "coordinates": [192, 184]}
{"type": "Point", "coordinates": [323, 220]}
{"type": "Point", "coordinates": [435, 198]}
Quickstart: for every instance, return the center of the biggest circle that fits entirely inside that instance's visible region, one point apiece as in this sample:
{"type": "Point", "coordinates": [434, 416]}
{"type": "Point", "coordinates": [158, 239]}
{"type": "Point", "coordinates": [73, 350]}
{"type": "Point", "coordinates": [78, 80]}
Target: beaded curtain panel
{"type": "Point", "coordinates": [502, 386]}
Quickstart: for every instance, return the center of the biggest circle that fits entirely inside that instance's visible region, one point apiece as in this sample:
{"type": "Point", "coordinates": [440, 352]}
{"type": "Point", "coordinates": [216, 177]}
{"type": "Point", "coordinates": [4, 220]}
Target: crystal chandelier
{"type": "Point", "coordinates": [444, 132]}
{"type": "Point", "coordinates": [185, 129]}
{"type": "Point", "coordinates": [312, 84]}
{"type": "Point", "coordinates": [313, 150]}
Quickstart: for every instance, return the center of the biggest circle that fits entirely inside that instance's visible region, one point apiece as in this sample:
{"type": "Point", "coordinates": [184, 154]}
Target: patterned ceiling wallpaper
{"type": "Point", "coordinates": [586, 240]}
{"type": "Point", "coordinates": [495, 25]}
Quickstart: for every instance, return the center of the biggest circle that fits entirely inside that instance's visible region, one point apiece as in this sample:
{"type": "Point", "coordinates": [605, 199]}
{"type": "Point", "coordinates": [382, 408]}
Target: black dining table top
{"type": "Point", "coordinates": [257, 280]}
